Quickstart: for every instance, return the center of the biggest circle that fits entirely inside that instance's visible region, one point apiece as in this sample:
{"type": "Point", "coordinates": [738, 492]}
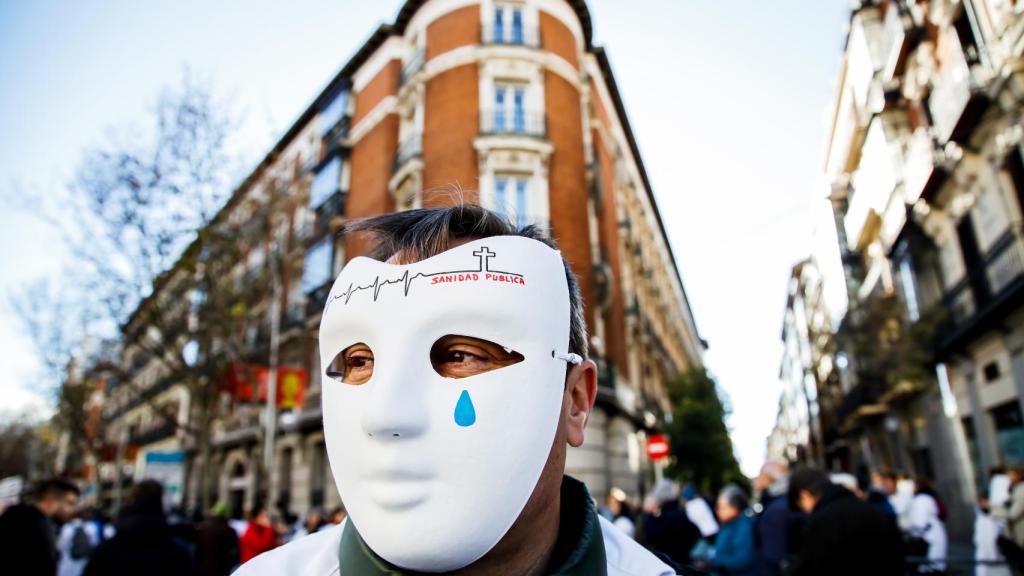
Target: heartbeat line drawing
{"type": "Point", "coordinates": [484, 254]}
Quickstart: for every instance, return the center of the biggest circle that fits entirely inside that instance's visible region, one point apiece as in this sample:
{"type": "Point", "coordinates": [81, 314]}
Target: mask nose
{"type": "Point", "coordinates": [394, 408]}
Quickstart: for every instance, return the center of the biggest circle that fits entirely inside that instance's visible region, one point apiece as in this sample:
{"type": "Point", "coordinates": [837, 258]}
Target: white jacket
{"type": "Point", "coordinates": [317, 555]}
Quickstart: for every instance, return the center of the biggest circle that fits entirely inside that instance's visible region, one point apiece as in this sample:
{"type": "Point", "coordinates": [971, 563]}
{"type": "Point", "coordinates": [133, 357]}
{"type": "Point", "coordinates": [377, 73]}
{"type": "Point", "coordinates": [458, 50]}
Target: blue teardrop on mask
{"type": "Point", "coordinates": [465, 414]}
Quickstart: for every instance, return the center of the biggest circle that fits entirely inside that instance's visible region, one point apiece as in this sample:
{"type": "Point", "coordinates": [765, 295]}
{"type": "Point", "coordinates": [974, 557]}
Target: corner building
{"type": "Point", "coordinates": [505, 103]}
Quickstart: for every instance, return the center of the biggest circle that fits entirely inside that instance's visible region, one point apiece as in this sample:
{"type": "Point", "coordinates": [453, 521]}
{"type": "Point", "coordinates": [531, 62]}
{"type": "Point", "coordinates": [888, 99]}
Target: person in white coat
{"type": "Point", "coordinates": [925, 522]}
{"type": "Point", "coordinates": [455, 375]}
{"type": "Point", "coordinates": [990, 561]}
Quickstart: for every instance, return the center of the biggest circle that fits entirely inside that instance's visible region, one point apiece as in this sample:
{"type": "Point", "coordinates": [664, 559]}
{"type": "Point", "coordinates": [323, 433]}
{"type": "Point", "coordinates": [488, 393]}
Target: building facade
{"type": "Point", "coordinates": [807, 367]}
{"type": "Point", "coordinates": [924, 161]}
{"type": "Point", "coordinates": [502, 102]}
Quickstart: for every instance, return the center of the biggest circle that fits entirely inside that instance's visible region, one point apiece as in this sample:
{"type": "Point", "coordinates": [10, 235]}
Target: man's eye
{"type": "Point", "coordinates": [354, 365]}
{"type": "Point", "coordinates": [461, 356]}
{"type": "Point", "coordinates": [464, 356]}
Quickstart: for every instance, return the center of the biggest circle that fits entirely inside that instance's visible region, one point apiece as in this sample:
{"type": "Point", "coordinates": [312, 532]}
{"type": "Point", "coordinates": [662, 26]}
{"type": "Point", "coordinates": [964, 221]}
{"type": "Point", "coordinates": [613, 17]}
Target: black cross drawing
{"type": "Point", "coordinates": [485, 255]}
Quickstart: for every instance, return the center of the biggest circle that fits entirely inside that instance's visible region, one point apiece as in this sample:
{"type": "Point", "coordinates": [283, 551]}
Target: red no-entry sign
{"type": "Point", "coordinates": [657, 447]}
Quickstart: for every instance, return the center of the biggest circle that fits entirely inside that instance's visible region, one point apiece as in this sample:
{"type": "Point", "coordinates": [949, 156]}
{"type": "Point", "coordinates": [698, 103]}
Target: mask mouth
{"type": "Point", "coordinates": [398, 489]}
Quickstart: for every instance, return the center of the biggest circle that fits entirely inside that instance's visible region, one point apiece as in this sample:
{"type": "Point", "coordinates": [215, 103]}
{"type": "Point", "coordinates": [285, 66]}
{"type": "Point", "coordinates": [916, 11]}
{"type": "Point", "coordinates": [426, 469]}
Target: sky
{"type": "Point", "coordinates": [727, 101]}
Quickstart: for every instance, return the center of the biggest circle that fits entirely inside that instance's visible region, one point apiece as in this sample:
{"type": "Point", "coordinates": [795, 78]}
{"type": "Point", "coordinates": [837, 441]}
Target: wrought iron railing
{"type": "Point", "coordinates": [411, 147]}
{"type": "Point", "coordinates": [414, 65]}
{"type": "Point", "coordinates": [514, 35]}
{"type": "Point", "coordinates": [513, 122]}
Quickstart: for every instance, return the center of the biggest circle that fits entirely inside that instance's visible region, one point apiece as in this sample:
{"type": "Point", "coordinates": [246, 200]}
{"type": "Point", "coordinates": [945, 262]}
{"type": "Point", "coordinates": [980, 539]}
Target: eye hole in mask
{"type": "Point", "coordinates": [456, 356]}
{"type": "Point", "coordinates": [353, 365]}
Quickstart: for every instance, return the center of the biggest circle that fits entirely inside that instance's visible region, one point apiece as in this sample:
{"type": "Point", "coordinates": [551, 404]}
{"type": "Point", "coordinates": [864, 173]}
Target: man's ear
{"type": "Point", "coordinates": [581, 392]}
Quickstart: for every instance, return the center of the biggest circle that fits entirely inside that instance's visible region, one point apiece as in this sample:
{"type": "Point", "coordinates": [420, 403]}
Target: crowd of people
{"type": "Point", "coordinates": [811, 522]}
{"type": "Point", "coordinates": [50, 533]}
{"type": "Point", "coordinates": [805, 523]}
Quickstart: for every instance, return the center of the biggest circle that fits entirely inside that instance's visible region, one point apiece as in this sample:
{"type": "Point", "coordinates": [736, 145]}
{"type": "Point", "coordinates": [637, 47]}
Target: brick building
{"type": "Point", "coordinates": [505, 103]}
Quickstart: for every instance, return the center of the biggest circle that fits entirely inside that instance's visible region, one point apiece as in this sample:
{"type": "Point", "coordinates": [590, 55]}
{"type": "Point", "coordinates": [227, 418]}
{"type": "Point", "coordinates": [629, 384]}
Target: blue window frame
{"type": "Point", "coordinates": [520, 202]}
{"type": "Point", "coordinates": [499, 109]}
{"type": "Point", "coordinates": [499, 25]}
{"type": "Point", "coordinates": [326, 182]}
{"type": "Point", "coordinates": [518, 111]}
{"type": "Point", "coordinates": [510, 194]}
{"type": "Point", "coordinates": [317, 265]}
{"type": "Point", "coordinates": [501, 196]}
{"type": "Point", "coordinates": [517, 26]}
{"type": "Point", "coordinates": [333, 112]}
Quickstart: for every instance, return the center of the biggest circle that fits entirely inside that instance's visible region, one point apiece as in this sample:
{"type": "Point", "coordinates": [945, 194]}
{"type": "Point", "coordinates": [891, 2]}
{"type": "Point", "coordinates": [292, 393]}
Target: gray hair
{"type": "Point", "coordinates": [734, 496]}
{"type": "Point", "coordinates": [663, 491]}
{"type": "Point", "coordinates": [415, 235]}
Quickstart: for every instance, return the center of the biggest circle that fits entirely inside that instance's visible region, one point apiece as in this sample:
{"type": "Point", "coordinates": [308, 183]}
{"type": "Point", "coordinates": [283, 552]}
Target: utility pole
{"type": "Point", "coordinates": [270, 415]}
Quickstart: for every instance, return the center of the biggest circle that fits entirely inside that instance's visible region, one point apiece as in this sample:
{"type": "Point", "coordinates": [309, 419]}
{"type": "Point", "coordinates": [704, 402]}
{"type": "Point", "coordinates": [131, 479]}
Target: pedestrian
{"type": "Point", "coordinates": [28, 531]}
{"type": "Point", "coordinates": [78, 537]}
{"type": "Point", "coordinates": [999, 485]}
{"type": "Point", "coordinates": [456, 376]}
{"type": "Point", "coordinates": [665, 526]}
{"type": "Point", "coordinates": [217, 550]}
{"type": "Point", "coordinates": [873, 487]}
{"type": "Point", "coordinates": [987, 530]}
{"type": "Point", "coordinates": [926, 523]}
{"type": "Point", "coordinates": [734, 553]}
{"type": "Point", "coordinates": [1015, 505]}
{"type": "Point", "coordinates": [620, 511]}
{"type": "Point", "coordinates": [144, 544]}
{"type": "Point", "coordinates": [775, 532]}
{"type": "Point", "coordinates": [260, 535]}
{"type": "Point", "coordinates": [313, 523]}
{"type": "Point", "coordinates": [699, 512]}
{"type": "Point", "coordinates": [338, 515]}
{"type": "Point", "coordinates": [843, 536]}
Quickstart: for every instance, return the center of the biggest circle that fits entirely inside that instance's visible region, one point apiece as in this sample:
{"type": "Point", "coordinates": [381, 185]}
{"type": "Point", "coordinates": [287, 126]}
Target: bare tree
{"type": "Point", "coordinates": [160, 247]}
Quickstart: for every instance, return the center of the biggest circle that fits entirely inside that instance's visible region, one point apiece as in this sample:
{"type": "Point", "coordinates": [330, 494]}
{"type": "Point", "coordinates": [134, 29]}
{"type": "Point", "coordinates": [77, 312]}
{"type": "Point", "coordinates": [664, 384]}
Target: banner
{"type": "Point", "coordinates": [167, 468]}
{"type": "Point", "coordinates": [248, 383]}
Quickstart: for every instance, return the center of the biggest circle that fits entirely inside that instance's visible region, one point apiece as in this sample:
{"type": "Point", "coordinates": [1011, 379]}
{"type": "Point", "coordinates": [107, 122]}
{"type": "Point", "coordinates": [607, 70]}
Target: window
{"type": "Point", "coordinates": [509, 108]}
{"type": "Point", "coordinates": [1009, 425]}
{"type": "Point", "coordinates": [510, 196]}
{"type": "Point", "coordinates": [407, 198]}
{"type": "Point", "coordinates": [909, 289]}
{"type": "Point", "coordinates": [991, 371]}
{"type": "Point", "coordinates": [326, 182]}
{"type": "Point", "coordinates": [317, 474]}
{"type": "Point", "coordinates": [508, 25]}
{"type": "Point", "coordinates": [317, 266]}
{"type": "Point", "coordinates": [333, 112]}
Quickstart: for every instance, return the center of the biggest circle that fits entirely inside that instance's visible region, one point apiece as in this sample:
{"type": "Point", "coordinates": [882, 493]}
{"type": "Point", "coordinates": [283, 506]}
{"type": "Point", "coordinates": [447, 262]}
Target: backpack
{"type": "Point", "coordinates": [80, 544]}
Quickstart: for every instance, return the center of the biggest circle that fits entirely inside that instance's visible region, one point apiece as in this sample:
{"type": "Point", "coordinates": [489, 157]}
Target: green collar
{"type": "Point", "coordinates": [578, 551]}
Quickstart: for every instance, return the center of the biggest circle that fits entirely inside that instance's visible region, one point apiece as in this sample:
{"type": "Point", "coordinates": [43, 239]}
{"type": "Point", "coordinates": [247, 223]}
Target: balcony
{"type": "Point", "coordinates": [294, 317]}
{"type": "Point", "coordinates": [329, 214]}
{"type": "Point", "coordinates": [495, 122]}
{"type": "Point", "coordinates": [516, 35]}
{"type": "Point", "coordinates": [317, 299]}
{"type": "Point", "coordinates": [154, 434]}
{"type": "Point", "coordinates": [988, 293]}
{"type": "Point", "coordinates": [957, 100]}
{"type": "Point", "coordinates": [411, 147]}
{"type": "Point", "coordinates": [414, 65]}
{"type": "Point", "coordinates": [924, 172]}
{"type": "Point", "coordinates": [1005, 263]}
{"type": "Point", "coordinates": [893, 36]}
{"type": "Point", "coordinates": [860, 402]}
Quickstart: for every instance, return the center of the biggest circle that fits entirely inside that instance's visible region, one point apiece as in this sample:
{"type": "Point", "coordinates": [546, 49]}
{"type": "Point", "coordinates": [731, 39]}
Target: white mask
{"type": "Point", "coordinates": [434, 470]}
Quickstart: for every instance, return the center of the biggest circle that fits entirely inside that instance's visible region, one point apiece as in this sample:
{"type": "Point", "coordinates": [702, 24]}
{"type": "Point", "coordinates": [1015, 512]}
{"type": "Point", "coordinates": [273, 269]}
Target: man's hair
{"type": "Point", "coordinates": [415, 235]}
{"type": "Point", "coordinates": [807, 479]}
{"type": "Point", "coordinates": [147, 495]}
{"type": "Point", "coordinates": [55, 488]}
{"type": "Point", "coordinates": [735, 497]}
